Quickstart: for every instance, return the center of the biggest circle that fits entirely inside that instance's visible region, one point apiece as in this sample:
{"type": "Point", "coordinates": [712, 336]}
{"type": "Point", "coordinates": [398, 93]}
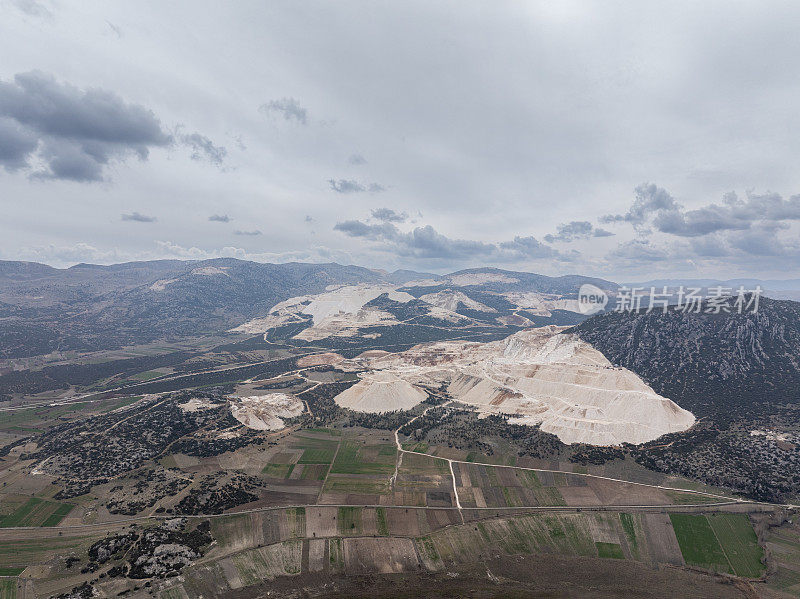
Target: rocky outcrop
{"type": "Point", "coordinates": [727, 366]}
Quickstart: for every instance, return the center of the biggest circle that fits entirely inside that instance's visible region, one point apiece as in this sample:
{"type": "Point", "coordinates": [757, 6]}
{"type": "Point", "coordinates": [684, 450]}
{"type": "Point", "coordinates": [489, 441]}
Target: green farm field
{"type": "Point", "coordinates": [719, 542]}
{"type": "Point", "coordinates": [37, 512]}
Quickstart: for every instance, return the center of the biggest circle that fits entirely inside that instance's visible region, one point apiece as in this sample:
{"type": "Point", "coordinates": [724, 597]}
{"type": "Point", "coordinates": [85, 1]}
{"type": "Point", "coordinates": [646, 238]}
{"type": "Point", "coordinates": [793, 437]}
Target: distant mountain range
{"type": "Point", "coordinates": [774, 288]}
{"type": "Point", "coordinates": [88, 307]}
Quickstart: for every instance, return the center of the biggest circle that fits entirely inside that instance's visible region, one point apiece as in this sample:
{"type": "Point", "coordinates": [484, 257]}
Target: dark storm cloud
{"type": "Point", "coordinates": [388, 215]}
{"type": "Point", "coordinates": [139, 218]}
{"type": "Point", "coordinates": [427, 243]}
{"type": "Point", "coordinates": [203, 148]}
{"type": "Point", "coordinates": [289, 108]}
{"type": "Point", "coordinates": [247, 233]}
{"type": "Point", "coordinates": [219, 218]}
{"type": "Point", "coordinates": [576, 230]}
{"type": "Point", "coordinates": [78, 131]}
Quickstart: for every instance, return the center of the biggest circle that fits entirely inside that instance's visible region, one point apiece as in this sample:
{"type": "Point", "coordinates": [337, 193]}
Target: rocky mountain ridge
{"type": "Point", "coordinates": [726, 365]}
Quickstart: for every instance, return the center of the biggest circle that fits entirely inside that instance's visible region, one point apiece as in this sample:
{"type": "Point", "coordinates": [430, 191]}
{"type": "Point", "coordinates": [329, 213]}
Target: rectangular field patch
{"type": "Point", "coordinates": [698, 543]}
{"type": "Point", "coordinates": [37, 512]}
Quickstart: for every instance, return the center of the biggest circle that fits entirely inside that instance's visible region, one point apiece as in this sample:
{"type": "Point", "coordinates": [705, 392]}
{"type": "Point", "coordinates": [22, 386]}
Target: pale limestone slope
{"type": "Point", "coordinates": [339, 308]}
{"type": "Point", "coordinates": [450, 300]}
{"type": "Point", "coordinates": [543, 376]}
{"type": "Point", "coordinates": [380, 392]}
{"type": "Point", "coordinates": [265, 412]}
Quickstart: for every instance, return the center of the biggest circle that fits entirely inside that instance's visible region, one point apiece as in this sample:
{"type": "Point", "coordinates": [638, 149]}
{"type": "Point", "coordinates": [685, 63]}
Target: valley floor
{"type": "Point", "coordinates": [344, 505]}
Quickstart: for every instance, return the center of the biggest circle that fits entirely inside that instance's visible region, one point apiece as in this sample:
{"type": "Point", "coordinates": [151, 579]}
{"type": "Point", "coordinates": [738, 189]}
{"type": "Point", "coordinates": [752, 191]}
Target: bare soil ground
{"type": "Point", "coordinates": [515, 577]}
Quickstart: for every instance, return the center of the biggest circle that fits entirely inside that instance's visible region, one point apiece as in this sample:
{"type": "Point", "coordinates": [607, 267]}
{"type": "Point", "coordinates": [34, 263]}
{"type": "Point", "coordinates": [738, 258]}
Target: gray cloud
{"type": "Point", "coordinates": [756, 248]}
{"type": "Point", "coordinates": [356, 159]}
{"type": "Point", "coordinates": [710, 246]}
{"type": "Point", "coordinates": [427, 243]}
{"type": "Point", "coordinates": [139, 218]}
{"type": "Point", "coordinates": [530, 98]}
{"type": "Point", "coordinates": [203, 148]}
{"type": "Point", "coordinates": [346, 186]}
{"type": "Point", "coordinates": [522, 248]}
{"type": "Point", "coordinates": [247, 233]}
{"type": "Point", "coordinates": [762, 241]}
{"type": "Point", "coordinates": [649, 199]}
{"type": "Point", "coordinates": [16, 144]}
{"type": "Point", "coordinates": [654, 206]}
{"type": "Point", "coordinates": [637, 251]}
{"type": "Point", "coordinates": [117, 31]}
{"type": "Point", "coordinates": [734, 214]}
{"type": "Point", "coordinates": [289, 108]}
{"type": "Point", "coordinates": [67, 161]}
{"type": "Point", "coordinates": [388, 215]}
{"type": "Point", "coordinates": [356, 228]}
{"type": "Point", "coordinates": [738, 231]}
{"type": "Point", "coordinates": [353, 186]}
{"type": "Point", "coordinates": [32, 8]}
{"type": "Point", "coordinates": [78, 132]}
{"type": "Point", "coordinates": [576, 230]}
{"type": "Point", "coordinates": [219, 218]}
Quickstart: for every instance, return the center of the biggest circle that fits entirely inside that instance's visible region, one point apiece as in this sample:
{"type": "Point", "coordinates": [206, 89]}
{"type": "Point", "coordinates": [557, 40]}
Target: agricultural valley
{"type": "Point", "coordinates": [231, 429]}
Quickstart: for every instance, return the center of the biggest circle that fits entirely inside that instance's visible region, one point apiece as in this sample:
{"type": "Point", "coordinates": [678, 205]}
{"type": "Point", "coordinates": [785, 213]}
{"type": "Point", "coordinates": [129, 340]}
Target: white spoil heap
{"type": "Point", "coordinates": [380, 392]}
{"type": "Point", "coordinates": [265, 412]}
{"type": "Point", "coordinates": [537, 376]}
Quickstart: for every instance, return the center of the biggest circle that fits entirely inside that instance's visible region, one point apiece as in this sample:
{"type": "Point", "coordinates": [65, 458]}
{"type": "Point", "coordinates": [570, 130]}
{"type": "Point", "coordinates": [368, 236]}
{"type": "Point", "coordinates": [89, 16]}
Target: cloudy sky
{"type": "Point", "coordinates": [627, 140]}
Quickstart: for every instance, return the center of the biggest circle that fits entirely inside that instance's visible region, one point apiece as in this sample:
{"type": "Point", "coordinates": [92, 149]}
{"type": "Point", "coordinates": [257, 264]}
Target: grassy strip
{"type": "Point", "coordinates": [737, 537]}
{"type": "Point", "coordinates": [11, 570]}
{"type": "Point", "coordinates": [609, 550]}
{"type": "Point", "coordinates": [382, 522]}
{"type": "Point", "coordinates": [37, 512]}
{"type": "Point", "coordinates": [698, 542]}
{"type": "Point", "coordinates": [8, 588]}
